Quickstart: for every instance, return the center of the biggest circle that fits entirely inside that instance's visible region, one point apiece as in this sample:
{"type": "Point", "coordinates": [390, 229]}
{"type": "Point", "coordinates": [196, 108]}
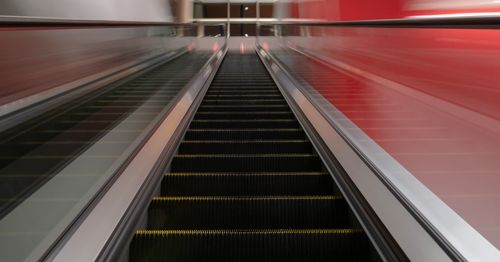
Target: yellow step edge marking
{"type": "Point", "coordinates": [246, 129]}
{"type": "Point", "coordinates": [243, 120]}
{"type": "Point", "coordinates": [249, 174]}
{"type": "Point", "coordinates": [266, 90]}
{"type": "Point", "coordinates": [243, 155]}
{"type": "Point", "coordinates": [242, 141]}
{"type": "Point", "coordinates": [239, 100]}
{"type": "Point", "coordinates": [244, 112]}
{"type": "Point", "coordinates": [248, 232]}
{"type": "Point", "coordinates": [240, 106]}
{"type": "Point", "coordinates": [243, 198]}
{"type": "Point", "coordinates": [259, 95]}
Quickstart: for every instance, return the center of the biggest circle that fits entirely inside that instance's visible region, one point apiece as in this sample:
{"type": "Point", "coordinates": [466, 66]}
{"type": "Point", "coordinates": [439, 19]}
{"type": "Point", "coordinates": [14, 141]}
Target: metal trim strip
{"type": "Point", "coordinates": [403, 226]}
{"type": "Point", "coordinates": [110, 211]}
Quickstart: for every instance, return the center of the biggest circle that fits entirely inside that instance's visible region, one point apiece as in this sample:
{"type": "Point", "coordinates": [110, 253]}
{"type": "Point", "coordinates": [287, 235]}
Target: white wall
{"type": "Point", "coordinates": [110, 10]}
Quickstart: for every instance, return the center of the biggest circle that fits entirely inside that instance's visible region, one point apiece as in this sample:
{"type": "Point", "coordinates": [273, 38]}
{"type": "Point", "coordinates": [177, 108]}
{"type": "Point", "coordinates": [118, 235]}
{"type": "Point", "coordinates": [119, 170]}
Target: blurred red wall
{"type": "Point", "coordinates": [348, 10]}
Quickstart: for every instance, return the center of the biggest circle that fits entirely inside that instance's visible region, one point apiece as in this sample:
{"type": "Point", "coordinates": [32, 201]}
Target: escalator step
{"type": "Point", "coordinates": [245, 108]}
{"type": "Point", "coordinates": [243, 91]}
{"type": "Point", "coordinates": [280, 101]}
{"type": "Point", "coordinates": [269, 212]}
{"type": "Point", "coordinates": [244, 84]}
{"type": "Point", "coordinates": [245, 147]}
{"type": "Point", "coordinates": [245, 134]}
{"type": "Point", "coordinates": [250, 245]}
{"type": "Point", "coordinates": [246, 184]}
{"type": "Point", "coordinates": [244, 115]}
{"type": "Point", "coordinates": [247, 163]}
{"type": "Point", "coordinates": [245, 123]}
{"type": "Point", "coordinates": [243, 96]}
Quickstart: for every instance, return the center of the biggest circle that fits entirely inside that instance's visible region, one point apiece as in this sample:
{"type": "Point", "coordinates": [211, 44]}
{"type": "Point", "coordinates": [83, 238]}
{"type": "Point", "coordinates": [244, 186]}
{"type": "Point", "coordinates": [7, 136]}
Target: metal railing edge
{"type": "Point", "coordinates": [55, 253]}
{"type": "Point", "coordinates": [38, 104]}
{"type": "Point", "coordinates": [449, 249]}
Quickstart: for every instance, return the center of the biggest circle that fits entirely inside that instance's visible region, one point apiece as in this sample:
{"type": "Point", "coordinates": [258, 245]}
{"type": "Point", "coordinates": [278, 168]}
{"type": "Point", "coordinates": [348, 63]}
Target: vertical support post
{"type": "Point", "coordinates": [184, 11]}
{"type": "Point", "coordinates": [228, 30]}
{"type": "Point", "coordinates": [257, 10]}
{"type": "Point", "coordinates": [201, 30]}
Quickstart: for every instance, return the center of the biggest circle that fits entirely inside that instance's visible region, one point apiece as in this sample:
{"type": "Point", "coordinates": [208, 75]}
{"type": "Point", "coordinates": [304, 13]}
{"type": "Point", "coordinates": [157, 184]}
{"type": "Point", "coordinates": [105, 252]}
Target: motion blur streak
{"type": "Point", "coordinates": [429, 97]}
{"type": "Point", "coordinates": [37, 60]}
{"type": "Point", "coordinates": [434, 105]}
{"type": "Point", "coordinates": [347, 10]}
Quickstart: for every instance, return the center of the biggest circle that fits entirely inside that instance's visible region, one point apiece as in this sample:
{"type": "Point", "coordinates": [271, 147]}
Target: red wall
{"type": "Point", "coordinates": [348, 10]}
{"type": "Point", "coordinates": [335, 10]}
{"type": "Point", "coordinates": [439, 113]}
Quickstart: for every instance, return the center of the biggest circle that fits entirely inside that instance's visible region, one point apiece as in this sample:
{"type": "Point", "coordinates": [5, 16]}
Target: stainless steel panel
{"type": "Point", "coordinates": [39, 59]}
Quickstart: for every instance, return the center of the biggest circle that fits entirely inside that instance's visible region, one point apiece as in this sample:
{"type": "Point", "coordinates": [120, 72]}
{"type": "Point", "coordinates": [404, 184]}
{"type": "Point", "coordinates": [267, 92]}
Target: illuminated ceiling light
{"type": "Point", "coordinates": [246, 8]}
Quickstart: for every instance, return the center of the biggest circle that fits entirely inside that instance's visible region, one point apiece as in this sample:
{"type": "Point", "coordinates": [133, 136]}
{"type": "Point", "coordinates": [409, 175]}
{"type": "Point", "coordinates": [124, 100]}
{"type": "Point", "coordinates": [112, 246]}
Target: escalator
{"type": "Point", "coordinates": [34, 152]}
{"type": "Point", "coordinates": [247, 184]}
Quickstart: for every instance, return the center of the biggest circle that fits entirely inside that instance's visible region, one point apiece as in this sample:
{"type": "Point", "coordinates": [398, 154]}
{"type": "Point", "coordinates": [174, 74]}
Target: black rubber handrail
{"type": "Point", "coordinates": [21, 21]}
{"type": "Point", "coordinates": [478, 22]}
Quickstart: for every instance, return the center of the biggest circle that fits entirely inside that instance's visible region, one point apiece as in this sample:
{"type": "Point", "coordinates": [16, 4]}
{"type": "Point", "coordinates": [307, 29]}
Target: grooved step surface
{"type": "Point", "coordinates": [246, 146]}
{"type": "Point", "coordinates": [244, 115]}
{"type": "Point", "coordinates": [246, 102]}
{"type": "Point", "coordinates": [247, 185]}
{"type": "Point", "coordinates": [244, 134]}
{"type": "Point", "coordinates": [274, 212]}
{"type": "Point", "coordinates": [246, 163]}
{"type": "Point", "coordinates": [250, 246]}
{"type": "Point", "coordinates": [245, 123]}
{"type": "Point", "coordinates": [243, 108]}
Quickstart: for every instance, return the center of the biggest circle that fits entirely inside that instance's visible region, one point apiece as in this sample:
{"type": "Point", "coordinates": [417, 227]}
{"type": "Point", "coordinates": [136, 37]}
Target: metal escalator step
{"type": "Point", "coordinates": [243, 88]}
{"type": "Point", "coordinates": [245, 147]}
{"type": "Point", "coordinates": [279, 101]}
{"type": "Point", "coordinates": [244, 134]}
{"type": "Point", "coordinates": [246, 163]}
{"type": "Point", "coordinates": [244, 115]}
{"type": "Point", "coordinates": [270, 212]}
{"type": "Point", "coordinates": [245, 123]}
{"type": "Point", "coordinates": [319, 245]}
{"type": "Point", "coordinates": [256, 78]}
{"type": "Point", "coordinates": [243, 96]}
{"type": "Point", "coordinates": [250, 84]}
{"type": "Point", "coordinates": [240, 88]}
{"type": "Point", "coordinates": [264, 93]}
{"type": "Point", "coordinates": [246, 108]}
{"type": "Point", "coordinates": [246, 184]}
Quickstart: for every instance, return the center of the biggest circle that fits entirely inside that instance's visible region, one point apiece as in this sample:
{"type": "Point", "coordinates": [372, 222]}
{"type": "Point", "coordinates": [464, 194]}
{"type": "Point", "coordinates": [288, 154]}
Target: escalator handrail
{"type": "Point", "coordinates": [462, 243]}
{"type": "Point", "coordinates": [31, 21]}
{"type": "Point", "coordinates": [477, 21]}
{"type": "Point", "coordinates": [106, 242]}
